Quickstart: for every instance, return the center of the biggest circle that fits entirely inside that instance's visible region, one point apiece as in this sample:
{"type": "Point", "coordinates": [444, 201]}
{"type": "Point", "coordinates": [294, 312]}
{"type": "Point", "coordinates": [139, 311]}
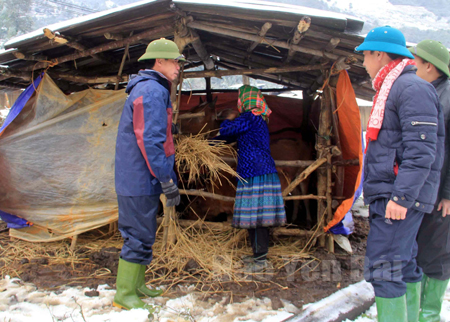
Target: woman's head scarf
{"type": "Point", "coordinates": [251, 99]}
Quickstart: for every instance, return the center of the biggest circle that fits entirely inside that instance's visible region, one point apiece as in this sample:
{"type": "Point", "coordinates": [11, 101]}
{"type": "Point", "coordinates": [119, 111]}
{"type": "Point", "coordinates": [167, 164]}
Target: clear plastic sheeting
{"type": "Point", "coordinates": [57, 162]}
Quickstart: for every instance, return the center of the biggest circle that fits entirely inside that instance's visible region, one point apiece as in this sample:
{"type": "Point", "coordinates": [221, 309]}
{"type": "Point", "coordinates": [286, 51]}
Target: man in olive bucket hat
{"type": "Point", "coordinates": [432, 59]}
{"type": "Point", "coordinates": [144, 168]}
{"type": "Point", "coordinates": [405, 142]}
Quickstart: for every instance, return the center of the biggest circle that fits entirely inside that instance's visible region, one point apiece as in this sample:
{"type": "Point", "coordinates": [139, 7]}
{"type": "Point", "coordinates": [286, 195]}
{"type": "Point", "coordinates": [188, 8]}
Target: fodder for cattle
{"type": "Point", "coordinates": [199, 157]}
{"type": "Point", "coordinates": [209, 260]}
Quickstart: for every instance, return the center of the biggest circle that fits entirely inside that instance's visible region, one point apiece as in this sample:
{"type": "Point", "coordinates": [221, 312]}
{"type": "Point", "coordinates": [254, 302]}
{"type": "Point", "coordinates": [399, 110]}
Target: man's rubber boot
{"type": "Point", "coordinates": [413, 300]}
{"type": "Point", "coordinates": [127, 277]}
{"type": "Point", "coordinates": [142, 290]}
{"type": "Point", "coordinates": [432, 297]}
{"type": "Point", "coordinates": [391, 309]}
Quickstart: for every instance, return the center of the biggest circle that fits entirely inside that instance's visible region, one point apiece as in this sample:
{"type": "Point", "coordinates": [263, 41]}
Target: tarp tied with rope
{"type": "Point", "coordinates": [57, 160]}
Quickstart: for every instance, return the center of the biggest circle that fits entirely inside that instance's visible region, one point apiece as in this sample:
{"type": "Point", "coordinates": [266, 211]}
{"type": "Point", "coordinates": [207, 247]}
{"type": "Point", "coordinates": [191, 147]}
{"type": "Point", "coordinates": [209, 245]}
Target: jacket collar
{"type": "Point", "coordinates": [148, 74]}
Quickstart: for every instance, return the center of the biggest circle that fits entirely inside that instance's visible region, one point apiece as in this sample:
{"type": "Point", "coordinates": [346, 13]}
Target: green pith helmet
{"type": "Point", "coordinates": [162, 48]}
{"type": "Point", "coordinates": [434, 52]}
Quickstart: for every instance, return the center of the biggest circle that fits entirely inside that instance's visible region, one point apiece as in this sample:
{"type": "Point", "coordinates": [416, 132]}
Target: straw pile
{"type": "Point", "coordinates": [205, 258]}
{"type": "Point", "coordinates": [199, 157]}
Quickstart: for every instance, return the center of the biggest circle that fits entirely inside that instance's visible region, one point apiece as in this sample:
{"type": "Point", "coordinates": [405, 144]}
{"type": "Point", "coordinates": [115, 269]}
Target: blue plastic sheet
{"type": "Point", "coordinates": [13, 221]}
{"type": "Point", "coordinates": [20, 102]}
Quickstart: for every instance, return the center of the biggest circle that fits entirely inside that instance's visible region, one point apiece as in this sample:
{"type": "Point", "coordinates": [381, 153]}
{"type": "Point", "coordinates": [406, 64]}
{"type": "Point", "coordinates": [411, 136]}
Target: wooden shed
{"type": "Point", "coordinates": [297, 47]}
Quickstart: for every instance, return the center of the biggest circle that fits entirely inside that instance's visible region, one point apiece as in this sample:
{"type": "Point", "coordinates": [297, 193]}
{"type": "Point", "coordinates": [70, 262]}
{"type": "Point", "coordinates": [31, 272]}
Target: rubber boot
{"type": "Point", "coordinates": [391, 309]}
{"type": "Point", "coordinates": [432, 298]}
{"type": "Point", "coordinates": [142, 290]}
{"type": "Point", "coordinates": [413, 300]}
{"type": "Point", "coordinates": [127, 277]}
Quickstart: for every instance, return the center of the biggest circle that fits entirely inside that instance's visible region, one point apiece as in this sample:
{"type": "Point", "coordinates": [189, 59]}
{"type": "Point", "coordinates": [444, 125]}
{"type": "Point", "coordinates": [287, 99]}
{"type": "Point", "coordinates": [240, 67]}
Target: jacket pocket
{"type": "Point", "coordinates": [416, 123]}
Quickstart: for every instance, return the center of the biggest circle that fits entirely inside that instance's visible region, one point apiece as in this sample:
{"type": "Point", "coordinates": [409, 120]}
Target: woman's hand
{"type": "Point", "coordinates": [232, 115]}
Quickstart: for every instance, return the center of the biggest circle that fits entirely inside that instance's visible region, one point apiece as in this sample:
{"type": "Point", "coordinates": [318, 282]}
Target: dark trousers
{"type": "Point", "coordinates": [259, 239]}
{"type": "Point", "coordinates": [391, 251]}
{"type": "Point", "coordinates": [434, 246]}
{"type": "Point", "coordinates": [137, 224]}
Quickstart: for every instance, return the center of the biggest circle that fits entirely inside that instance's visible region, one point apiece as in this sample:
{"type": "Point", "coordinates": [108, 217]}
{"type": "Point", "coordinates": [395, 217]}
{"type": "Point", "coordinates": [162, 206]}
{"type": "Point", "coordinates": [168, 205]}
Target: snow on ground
{"type": "Point", "coordinates": [21, 302]}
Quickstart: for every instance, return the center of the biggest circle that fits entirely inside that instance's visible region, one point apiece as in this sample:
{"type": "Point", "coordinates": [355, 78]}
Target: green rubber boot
{"type": "Point", "coordinates": [432, 297]}
{"type": "Point", "coordinates": [391, 309]}
{"type": "Point", "coordinates": [413, 300]}
{"type": "Point", "coordinates": [127, 277]}
{"type": "Point", "coordinates": [142, 290]}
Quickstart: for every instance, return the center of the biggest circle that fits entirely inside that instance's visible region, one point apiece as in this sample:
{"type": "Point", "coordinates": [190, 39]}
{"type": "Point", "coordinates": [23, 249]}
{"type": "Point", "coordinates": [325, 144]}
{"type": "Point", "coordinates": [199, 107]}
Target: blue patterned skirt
{"type": "Point", "coordinates": [259, 203]}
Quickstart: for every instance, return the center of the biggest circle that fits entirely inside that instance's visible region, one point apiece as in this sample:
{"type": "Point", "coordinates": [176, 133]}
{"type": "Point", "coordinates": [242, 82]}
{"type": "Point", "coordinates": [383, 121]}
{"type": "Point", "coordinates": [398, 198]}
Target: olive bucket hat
{"type": "Point", "coordinates": [434, 52]}
{"type": "Point", "coordinates": [385, 39]}
{"type": "Point", "coordinates": [162, 48]}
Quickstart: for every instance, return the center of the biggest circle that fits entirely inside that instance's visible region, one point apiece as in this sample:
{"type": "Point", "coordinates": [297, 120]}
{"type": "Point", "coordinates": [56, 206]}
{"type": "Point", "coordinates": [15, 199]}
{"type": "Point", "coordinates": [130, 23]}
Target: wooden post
{"type": "Point", "coordinates": [208, 89]}
{"type": "Point", "coordinates": [122, 64]}
{"type": "Point", "coordinates": [340, 171]}
{"type": "Point", "coordinates": [323, 142]}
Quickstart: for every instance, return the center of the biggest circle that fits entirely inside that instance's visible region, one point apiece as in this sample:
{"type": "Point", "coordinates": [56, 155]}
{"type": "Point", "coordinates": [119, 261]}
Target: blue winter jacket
{"type": "Point", "coordinates": [412, 138]}
{"type": "Point", "coordinates": [145, 153]}
{"type": "Point", "coordinates": [252, 136]}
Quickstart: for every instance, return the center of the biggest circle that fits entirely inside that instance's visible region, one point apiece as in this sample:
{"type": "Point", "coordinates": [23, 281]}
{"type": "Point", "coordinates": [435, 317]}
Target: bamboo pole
{"type": "Point", "coordinates": [270, 70]}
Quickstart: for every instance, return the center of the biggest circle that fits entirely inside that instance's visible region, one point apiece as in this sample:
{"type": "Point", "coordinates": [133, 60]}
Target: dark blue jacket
{"type": "Point", "coordinates": [145, 153]}
{"type": "Point", "coordinates": [412, 137]}
{"type": "Point", "coordinates": [252, 136]}
{"type": "Point", "coordinates": [442, 86]}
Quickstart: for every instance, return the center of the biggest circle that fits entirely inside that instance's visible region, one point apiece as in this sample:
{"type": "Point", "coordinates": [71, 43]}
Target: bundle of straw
{"type": "Point", "coordinates": [201, 157]}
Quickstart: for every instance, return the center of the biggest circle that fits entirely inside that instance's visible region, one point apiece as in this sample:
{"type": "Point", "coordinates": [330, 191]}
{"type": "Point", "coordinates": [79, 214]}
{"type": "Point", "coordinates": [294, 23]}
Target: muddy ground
{"type": "Point", "coordinates": [305, 281]}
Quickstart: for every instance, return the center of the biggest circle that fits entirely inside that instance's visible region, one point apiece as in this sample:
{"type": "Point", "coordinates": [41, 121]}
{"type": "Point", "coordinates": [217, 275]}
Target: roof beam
{"type": "Point", "coordinates": [261, 34]}
{"type": "Point", "coordinates": [278, 79]}
{"type": "Point", "coordinates": [299, 33]}
{"type": "Point", "coordinates": [329, 47]}
{"type": "Point", "coordinates": [69, 42]}
{"type": "Point", "coordinates": [250, 37]}
{"type": "Point", "coordinates": [270, 70]}
{"type": "Point", "coordinates": [161, 31]}
{"type": "Point", "coordinates": [201, 51]}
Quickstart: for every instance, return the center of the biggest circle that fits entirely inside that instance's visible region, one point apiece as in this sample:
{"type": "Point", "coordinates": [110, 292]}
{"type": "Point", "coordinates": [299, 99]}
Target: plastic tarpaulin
{"type": "Point", "coordinates": [350, 136]}
{"type": "Point", "coordinates": [57, 162]}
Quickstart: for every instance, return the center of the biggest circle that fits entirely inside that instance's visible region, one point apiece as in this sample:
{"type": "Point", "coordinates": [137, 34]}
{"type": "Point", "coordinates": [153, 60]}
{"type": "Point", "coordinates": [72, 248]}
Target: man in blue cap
{"type": "Point", "coordinates": [432, 59]}
{"type": "Point", "coordinates": [405, 141]}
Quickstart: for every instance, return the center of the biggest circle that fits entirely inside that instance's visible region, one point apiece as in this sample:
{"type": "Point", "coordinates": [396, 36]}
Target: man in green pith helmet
{"type": "Point", "coordinates": [144, 168]}
{"type": "Point", "coordinates": [432, 59]}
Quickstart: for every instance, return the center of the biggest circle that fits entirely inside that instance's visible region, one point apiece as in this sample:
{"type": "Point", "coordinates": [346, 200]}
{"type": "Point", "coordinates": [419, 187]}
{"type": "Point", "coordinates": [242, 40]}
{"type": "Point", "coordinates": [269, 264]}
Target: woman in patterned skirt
{"type": "Point", "coordinates": [259, 203]}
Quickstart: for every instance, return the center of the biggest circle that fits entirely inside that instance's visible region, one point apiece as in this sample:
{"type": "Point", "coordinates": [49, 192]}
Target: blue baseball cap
{"type": "Point", "coordinates": [386, 39]}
